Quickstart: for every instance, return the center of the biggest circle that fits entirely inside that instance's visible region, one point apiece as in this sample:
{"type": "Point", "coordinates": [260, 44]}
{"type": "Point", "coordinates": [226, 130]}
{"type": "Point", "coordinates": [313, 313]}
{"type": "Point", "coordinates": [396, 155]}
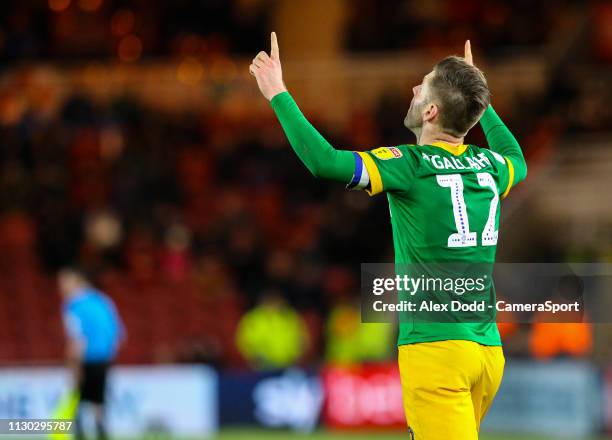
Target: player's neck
{"type": "Point", "coordinates": [430, 137]}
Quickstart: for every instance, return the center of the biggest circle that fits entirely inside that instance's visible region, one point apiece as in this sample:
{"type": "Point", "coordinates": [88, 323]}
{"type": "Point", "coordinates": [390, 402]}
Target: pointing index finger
{"type": "Point", "coordinates": [468, 53]}
{"type": "Point", "coordinates": [274, 54]}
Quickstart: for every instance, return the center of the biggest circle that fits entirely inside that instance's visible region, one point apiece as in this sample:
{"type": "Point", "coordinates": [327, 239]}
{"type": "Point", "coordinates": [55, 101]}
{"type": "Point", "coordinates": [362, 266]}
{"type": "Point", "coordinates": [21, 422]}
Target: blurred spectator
{"type": "Point", "coordinates": [549, 340]}
{"type": "Point", "coordinates": [175, 259]}
{"type": "Point", "coordinates": [570, 334]}
{"type": "Point", "coordinates": [103, 236]}
{"type": "Point", "coordinates": [349, 341]}
{"type": "Point", "coordinates": [272, 335]}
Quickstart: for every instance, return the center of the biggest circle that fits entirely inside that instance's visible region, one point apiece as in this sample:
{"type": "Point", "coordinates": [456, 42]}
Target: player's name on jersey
{"type": "Point", "coordinates": [439, 162]}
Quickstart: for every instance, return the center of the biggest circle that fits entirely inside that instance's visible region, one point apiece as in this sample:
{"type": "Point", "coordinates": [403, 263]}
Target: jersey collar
{"type": "Point", "coordinates": [455, 150]}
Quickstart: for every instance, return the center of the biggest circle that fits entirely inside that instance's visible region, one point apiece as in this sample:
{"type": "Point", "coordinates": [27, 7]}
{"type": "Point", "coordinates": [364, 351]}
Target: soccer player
{"type": "Point", "coordinates": [444, 202]}
{"type": "Point", "coordinates": [94, 332]}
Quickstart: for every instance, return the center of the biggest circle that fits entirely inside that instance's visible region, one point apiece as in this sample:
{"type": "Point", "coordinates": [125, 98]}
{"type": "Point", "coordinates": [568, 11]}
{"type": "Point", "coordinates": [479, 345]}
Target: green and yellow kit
{"type": "Point", "coordinates": [444, 200]}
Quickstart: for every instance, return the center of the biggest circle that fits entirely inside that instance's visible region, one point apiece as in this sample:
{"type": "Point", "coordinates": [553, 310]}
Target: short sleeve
{"type": "Point", "coordinates": [385, 169]}
{"type": "Point", "coordinates": [72, 324]}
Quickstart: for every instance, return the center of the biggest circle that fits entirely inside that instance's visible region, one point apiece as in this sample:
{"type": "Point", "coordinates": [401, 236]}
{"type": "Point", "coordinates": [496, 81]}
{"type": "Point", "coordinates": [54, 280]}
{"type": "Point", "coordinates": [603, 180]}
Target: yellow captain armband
{"type": "Point", "coordinates": [376, 185]}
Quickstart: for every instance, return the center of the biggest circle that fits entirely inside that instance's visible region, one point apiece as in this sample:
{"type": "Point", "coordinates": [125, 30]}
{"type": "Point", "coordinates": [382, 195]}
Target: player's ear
{"type": "Point", "coordinates": [430, 112]}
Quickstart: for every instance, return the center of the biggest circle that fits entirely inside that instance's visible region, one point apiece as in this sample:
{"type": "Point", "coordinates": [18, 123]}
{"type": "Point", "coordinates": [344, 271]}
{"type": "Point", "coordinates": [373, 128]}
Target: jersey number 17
{"type": "Point", "coordinates": [464, 237]}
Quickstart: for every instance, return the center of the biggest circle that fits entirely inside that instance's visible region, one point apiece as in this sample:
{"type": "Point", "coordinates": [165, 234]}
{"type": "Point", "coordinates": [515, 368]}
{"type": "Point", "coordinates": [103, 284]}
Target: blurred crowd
{"type": "Point", "coordinates": [222, 205]}
{"type": "Point", "coordinates": [197, 199]}
{"type": "Point", "coordinates": [35, 29]}
{"type": "Point", "coordinates": [174, 198]}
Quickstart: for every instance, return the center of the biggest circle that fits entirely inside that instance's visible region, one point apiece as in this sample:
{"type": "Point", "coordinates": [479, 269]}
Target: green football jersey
{"type": "Point", "coordinates": [444, 203]}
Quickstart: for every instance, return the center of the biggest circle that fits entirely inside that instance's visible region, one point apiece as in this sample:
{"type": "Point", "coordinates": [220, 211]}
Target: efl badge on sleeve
{"type": "Point", "coordinates": [386, 153]}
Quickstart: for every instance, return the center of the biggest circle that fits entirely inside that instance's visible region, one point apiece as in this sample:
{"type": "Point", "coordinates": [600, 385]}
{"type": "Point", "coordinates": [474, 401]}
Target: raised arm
{"type": "Point", "coordinates": [321, 159]}
{"type": "Point", "coordinates": [502, 141]}
{"type": "Point", "coordinates": [499, 137]}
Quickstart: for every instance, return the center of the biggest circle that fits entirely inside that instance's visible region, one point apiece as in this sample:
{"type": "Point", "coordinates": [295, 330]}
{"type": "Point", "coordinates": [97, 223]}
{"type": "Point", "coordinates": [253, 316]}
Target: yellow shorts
{"type": "Point", "coordinates": [448, 387]}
